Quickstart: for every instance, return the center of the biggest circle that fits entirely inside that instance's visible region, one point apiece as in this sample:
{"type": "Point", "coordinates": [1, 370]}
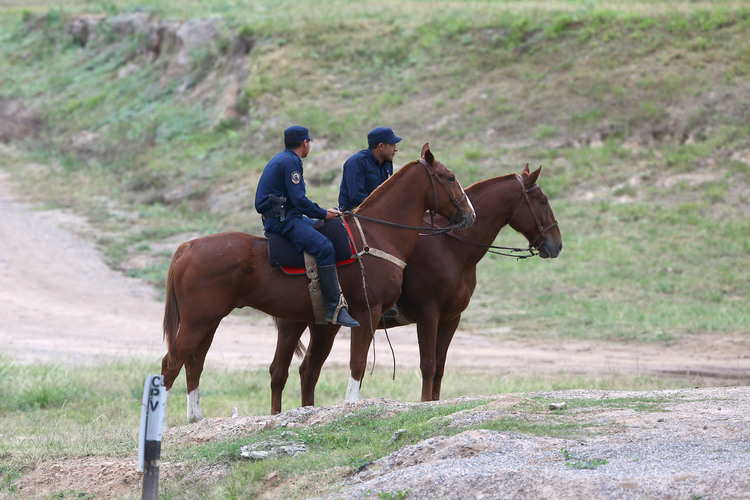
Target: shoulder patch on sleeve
{"type": "Point", "coordinates": [296, 177]}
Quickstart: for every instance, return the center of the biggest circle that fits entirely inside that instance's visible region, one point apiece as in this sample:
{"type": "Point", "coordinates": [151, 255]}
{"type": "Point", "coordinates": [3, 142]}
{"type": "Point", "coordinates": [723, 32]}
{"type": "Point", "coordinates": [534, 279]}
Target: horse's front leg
{"type": "Point", "coordinates": [321, 342]}
{"type": "Point", "coordinates": [288, 335]}
{"type": "Point", "coordinates": [445, 332]}
{"type": "Point", "coordinates": [426, 337]}
{"type": "Point", "coordinates": [361, 338]}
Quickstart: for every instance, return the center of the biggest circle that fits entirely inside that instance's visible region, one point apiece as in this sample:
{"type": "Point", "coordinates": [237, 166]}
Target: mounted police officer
{"type": "Point", "coordinates": [367, 169]}
{"type": "Point", "coordinates": [283, 204]}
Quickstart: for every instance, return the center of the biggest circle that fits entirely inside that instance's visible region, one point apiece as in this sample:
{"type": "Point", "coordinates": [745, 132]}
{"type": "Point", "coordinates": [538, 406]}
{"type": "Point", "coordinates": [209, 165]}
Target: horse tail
{"type": "Point", "coordinates": [171, 307]}
{"type": "Point", "coordinates": [300, 350]}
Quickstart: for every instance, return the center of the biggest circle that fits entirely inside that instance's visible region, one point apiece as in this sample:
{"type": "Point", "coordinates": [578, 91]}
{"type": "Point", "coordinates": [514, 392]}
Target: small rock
{"type": "Point", "coordinates": [235, 412]}
{"type": "Point", "coordinates": [396, 436]}
{"type": "Point", "coordinates": [271, 476]}
{"type": "Point", "coordinates": [558, 406]}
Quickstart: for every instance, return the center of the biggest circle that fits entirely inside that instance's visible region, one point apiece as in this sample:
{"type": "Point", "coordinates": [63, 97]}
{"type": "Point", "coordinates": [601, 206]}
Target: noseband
{"type": "Point", "coordinates": [542, 230]}
{"type": "Point", "coordinates": [456, 202]}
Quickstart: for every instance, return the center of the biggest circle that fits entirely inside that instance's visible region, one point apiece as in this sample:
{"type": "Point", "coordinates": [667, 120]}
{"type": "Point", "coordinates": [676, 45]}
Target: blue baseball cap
{"type": "Point", "coordinates": [382, 134]}
{"type": "Point", "coordinates": [296, 133]}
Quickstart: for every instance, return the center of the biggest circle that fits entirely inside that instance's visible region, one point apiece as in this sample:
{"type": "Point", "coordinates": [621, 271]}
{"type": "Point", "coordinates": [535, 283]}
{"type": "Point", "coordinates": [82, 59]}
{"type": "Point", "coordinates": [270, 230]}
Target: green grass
{"type": "Point", "coordinates": [576, 462]}
{"type": "Point", "coordinates": [54, 412]}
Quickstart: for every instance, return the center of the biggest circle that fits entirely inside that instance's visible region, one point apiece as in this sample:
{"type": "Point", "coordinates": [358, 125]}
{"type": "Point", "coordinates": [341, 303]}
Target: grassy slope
{"type": "Point", "coordinates": [635, 112]}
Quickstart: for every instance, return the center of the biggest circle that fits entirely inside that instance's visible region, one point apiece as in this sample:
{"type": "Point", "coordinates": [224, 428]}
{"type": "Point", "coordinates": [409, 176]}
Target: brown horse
{"type": "Point", "coordinates": [439, 281]}
{"type": "Point", "coordinates": [212, 275]}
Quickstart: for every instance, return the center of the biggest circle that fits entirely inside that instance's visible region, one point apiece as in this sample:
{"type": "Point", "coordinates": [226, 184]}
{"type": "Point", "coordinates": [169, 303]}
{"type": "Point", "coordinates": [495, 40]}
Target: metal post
{"type": "Point", "coordinates": [149, 446]}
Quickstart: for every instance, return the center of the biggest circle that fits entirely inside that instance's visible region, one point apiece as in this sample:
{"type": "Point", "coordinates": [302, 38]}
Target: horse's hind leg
{"type": "Point", "coordinates": [445, 332]}
{"type": "Point", "coordinates": [288, 335]}
{"type": "Point", "coordinates": [193, 371]}
{"type": "Point", "coordinates": [169, 373]}
{"type": "Point", "coordinates": [321, 342]}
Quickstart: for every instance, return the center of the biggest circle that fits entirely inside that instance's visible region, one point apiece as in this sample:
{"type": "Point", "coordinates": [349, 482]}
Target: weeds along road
{"type": "Point", "coordinates": [60, 303]}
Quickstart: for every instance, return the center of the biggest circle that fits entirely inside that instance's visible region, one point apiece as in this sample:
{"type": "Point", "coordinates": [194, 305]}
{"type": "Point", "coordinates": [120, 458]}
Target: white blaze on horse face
{"type": "Point", "coordinates": [352, 391]}
{"type": "Point", "coordinates": [468, 200]}
{"type": "Point", "coordinates": [194, 413]}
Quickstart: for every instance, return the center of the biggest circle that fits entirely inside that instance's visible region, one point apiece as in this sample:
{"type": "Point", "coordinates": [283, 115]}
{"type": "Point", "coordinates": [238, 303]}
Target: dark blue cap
{"type": "Point", "coordinates": [296, 133]}
{"type": "Point", "coordinates": [382, 134]}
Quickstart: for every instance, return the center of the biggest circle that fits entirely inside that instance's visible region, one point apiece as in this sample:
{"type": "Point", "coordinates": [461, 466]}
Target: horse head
{"type": "Point", "coordinates": [449, 198]}
{"type": "Point", "coordinates": [534, 218]}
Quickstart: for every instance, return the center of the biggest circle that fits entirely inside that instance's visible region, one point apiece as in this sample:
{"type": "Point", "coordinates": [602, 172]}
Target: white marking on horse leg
{"type": "Point", "coordinates": [166, 405]}
{"type": "Point", "coordinates": [194, 413]}
{"type": "Point", "coordinates": [352, 390]}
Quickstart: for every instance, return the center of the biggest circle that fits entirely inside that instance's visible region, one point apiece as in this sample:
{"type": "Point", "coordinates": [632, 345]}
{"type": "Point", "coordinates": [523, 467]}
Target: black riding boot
{"type": "Point", "coordinates": [329, 285]}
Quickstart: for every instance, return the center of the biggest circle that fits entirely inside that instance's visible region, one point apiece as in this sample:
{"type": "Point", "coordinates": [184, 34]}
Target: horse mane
{"type": "Point", "coordinates": [379, 190]}
{"type": "Point", "coordinates": [481, 186]}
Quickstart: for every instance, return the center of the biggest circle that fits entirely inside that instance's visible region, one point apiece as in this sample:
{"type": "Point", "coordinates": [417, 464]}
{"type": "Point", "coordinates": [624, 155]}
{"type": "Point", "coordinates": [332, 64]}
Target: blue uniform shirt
{"type": "Point", "coordinates": [362, 174]}
{"type": "Point", "coordinates": [283, 177]}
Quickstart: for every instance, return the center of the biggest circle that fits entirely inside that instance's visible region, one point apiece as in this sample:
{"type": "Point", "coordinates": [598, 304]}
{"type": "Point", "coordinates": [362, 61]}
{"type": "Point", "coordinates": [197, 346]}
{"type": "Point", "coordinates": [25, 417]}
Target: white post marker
{"type": "Point", "coordinates": [149, 442]}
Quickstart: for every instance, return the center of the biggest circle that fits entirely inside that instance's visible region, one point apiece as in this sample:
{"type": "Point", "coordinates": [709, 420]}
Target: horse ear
{"type": "Point", "coordinates": [532, 177]}
{"type": "Point", "coordinates": [427, 154]}
{"type": "Point", "coordinates": [526, 168]}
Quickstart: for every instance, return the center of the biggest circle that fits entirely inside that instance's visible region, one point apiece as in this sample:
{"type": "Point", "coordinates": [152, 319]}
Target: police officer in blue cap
{"type": "Point", "coordinates": [282, 202]}
{"type": "Point", "coordinates": [367, 169]}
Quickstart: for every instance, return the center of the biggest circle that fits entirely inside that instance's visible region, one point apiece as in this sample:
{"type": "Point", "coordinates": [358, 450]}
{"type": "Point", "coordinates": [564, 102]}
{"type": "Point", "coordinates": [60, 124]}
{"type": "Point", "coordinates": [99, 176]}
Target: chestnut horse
{"type": "Point", "coordinates": [212, 275]}
{"type": "Point", "coordinates": [438, 283]}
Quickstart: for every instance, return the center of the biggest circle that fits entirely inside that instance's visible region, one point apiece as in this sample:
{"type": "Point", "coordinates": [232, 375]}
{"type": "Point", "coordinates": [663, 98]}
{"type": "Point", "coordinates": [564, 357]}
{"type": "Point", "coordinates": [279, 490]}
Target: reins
{"type": "Point", "coordinates": [493, 248]}
{"type": "Point", "coordinates": [437, 230]}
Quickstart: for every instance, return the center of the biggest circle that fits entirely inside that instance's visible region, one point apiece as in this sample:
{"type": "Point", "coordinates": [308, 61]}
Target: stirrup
{"type": "Point", "coordinates": [342, 317]}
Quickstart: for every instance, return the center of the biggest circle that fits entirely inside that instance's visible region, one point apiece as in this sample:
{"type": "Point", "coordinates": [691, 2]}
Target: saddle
{"type": "Point", "coordinates": [283, 254]}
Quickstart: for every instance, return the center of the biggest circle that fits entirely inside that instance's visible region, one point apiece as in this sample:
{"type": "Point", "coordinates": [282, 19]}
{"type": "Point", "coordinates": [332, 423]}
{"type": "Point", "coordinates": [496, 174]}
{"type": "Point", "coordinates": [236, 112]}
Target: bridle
{"type": "Point", "coordinates": [431, 173]}
{"type": "Point", "coordinates": [515, 252]}
{"type": "Point", "coordinates": [456, 203]}
{"type": "Point", "coordinates": [542, 230]}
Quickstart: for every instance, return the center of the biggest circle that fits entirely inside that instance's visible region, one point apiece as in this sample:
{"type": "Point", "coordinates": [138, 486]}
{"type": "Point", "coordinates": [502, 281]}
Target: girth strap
{"type": "Point", "coordinates": [375, 252]}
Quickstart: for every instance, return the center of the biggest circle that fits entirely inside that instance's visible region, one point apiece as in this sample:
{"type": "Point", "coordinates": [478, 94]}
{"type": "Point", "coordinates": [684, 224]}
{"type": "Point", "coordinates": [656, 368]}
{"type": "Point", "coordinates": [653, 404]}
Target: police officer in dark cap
{"type": "Point", "coordinates": [367, 169]}
{"type": "Point", "coordinates": [282, 201]}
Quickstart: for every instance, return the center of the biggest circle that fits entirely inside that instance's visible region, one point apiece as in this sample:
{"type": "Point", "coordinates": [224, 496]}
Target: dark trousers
{"type": "Point", "coordinates": [300, 232]}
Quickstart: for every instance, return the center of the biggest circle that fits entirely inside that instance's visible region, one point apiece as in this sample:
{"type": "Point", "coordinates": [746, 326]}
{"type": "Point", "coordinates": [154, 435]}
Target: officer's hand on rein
{"type": "Point", "coordinates": [332, 214]}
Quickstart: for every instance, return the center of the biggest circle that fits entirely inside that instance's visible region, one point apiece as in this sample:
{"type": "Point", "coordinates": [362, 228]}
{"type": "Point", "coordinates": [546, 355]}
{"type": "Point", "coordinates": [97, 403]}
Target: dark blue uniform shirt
{"type": "Point", "coordinates": [283, 177]}
{"type": "Point", "coordinates": [362, 174]}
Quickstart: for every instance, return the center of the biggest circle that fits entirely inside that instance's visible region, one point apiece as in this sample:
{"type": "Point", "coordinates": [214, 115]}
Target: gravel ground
{"type": "Point", "coordinates": [691, 444]}
{"type": "Point", "coordinates": [670, 444]}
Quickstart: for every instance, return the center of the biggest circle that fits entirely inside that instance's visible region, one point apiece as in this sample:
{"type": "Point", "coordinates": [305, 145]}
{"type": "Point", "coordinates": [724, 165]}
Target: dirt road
{"type": "Point", "coordinates": [60, 303]}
